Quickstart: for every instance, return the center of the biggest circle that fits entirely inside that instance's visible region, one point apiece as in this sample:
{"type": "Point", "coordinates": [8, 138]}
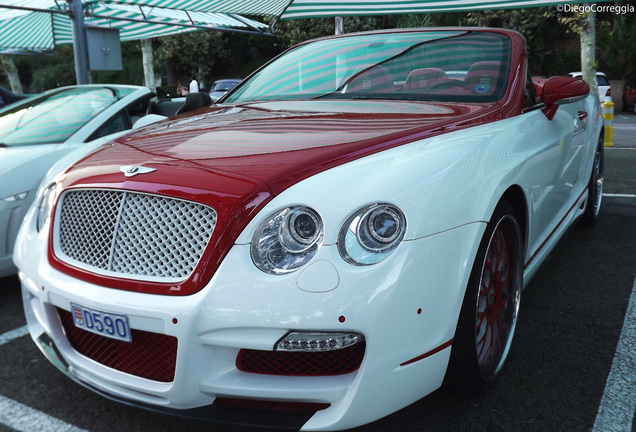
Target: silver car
{"type": "Point", "coordinates": [221, 87]}
{"type": "Point", "coordinates": [37, 132]}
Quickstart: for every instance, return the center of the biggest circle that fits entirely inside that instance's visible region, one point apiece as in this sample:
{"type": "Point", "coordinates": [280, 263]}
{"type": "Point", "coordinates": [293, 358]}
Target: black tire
{"type": "Point", "coordinates": [595, 187]}
{"type": "Point", "coordinates": [490, 306]}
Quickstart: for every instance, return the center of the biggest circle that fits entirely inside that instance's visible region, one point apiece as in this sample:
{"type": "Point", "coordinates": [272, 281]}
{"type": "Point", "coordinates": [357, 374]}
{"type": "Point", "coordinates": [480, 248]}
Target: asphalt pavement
{"type": "Point", "coordinates": [624, 129]}
{"type": "Point", "coordinates": [572, 333]}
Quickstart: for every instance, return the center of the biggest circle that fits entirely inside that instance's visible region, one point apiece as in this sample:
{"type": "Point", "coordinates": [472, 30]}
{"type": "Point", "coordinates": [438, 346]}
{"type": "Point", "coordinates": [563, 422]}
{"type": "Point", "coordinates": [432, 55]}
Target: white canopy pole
{"type": "Point", "coordinates": [149, 71]}
{"type": "Point", "coordinates": [339, 25]}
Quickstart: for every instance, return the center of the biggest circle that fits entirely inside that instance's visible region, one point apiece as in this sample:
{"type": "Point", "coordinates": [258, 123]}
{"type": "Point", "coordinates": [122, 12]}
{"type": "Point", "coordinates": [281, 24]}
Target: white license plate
{"type": "Point", "coordinates": [106, 324]}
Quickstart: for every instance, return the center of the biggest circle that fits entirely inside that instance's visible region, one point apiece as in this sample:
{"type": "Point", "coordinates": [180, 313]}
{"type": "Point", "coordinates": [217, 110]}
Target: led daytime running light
{"type": "Point", "coordinates": [16, 197]}
{"type": "Point", "coordinates": [315, 342]}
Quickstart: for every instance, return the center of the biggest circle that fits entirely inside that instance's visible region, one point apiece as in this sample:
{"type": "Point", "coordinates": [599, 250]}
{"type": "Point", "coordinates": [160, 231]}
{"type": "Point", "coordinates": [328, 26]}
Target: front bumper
{"type": "Point", "coordinates": [233, 416]}
{"type": "Point", "coordinates": [406, 308]}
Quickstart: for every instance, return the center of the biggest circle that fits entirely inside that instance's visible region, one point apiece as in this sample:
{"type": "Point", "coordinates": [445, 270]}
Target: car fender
{"type": "Point", "coordinates": [461, 175]}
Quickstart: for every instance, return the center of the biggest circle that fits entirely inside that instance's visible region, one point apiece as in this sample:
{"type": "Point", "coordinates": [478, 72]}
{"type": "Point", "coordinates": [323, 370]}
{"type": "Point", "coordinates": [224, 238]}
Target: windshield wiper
{"type": "Point", "coordinates": [334, 94]}
{"type": "Point", "coordinates": [381, 97]}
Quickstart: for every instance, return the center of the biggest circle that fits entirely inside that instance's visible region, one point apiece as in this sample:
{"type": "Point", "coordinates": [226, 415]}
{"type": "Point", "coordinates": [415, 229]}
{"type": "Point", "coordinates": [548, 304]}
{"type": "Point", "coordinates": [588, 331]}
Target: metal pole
{"type": "Point", "coordinates": [80, 49]}
{"type": "Point", "coordinates": [339, 25]}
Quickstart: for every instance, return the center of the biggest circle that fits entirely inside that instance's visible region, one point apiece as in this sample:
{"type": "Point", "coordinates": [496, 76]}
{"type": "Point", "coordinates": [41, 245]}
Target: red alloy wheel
{"type": "Point", "coordinates": [490, 307]}
{"type": "Point", "coordinates": [497, 299]}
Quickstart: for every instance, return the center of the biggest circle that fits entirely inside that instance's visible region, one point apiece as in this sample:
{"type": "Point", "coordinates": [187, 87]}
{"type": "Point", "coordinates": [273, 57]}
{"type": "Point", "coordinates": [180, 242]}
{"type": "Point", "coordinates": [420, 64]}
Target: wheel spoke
{"type": "Point", "coordinates": [481, 329]}
{"type": "Point", "coordinates": [485, 343]}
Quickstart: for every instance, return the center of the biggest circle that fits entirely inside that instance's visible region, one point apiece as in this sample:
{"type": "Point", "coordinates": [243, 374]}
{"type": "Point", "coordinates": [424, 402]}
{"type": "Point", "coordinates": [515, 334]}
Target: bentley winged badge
{"type": "Point", "coordinates": [133, 170]}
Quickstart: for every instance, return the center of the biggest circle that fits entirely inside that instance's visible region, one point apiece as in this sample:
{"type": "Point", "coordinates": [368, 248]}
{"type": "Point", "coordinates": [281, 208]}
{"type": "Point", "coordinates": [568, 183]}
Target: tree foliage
{"type": "Point", "coordinates": [50, 71]}
{"type": "Point", "coordinates": [210, 55]}
{"type": "Point", "coordinates": [550, 51]}
{"type": "Point", "coordinates": [616, 48]}
{"type": "Point", "coordinates": [290, 33]}
{"type": "Point", "coordinates": [188, 55]}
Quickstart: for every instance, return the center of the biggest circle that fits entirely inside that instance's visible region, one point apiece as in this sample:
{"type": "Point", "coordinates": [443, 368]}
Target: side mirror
{"type": "Point", "coordinates": [561, 90]}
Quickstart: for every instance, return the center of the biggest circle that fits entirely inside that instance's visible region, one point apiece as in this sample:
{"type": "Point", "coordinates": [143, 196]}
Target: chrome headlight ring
{"type": "Point", "coordinates": [287, 240]}
{"type": "Point", "coordinates": [371, 234]}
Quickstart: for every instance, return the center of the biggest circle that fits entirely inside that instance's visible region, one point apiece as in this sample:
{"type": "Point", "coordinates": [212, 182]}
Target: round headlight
{"type": "Point", "coordinates": [371, 234]}
{"type": "Point", "coordinates": [301, 228]}
{"type": "Point", "coordinates": [382, 226]}
{"type": "Point", "coordinates": [287, 240]}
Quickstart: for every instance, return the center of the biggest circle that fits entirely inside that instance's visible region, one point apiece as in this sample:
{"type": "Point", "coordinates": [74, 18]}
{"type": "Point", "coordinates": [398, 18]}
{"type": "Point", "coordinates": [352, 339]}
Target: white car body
{"type": "Point", "coordinates": [403, 310]}
{"type": "Point", "coordinates": [23, 167]}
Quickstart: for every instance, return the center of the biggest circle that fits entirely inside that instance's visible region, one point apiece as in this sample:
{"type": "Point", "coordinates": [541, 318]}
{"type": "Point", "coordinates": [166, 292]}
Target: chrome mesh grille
{"type": "Point", "coordinates": [132, 234]}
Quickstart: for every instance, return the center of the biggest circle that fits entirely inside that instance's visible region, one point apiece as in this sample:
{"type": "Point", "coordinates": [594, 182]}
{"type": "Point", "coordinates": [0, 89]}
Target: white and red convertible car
{"type": "Point", "coordinates": [349, 227]}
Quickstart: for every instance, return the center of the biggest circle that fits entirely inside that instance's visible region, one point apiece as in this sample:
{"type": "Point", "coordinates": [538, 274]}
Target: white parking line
{"type": "Point", "coordinates": [13, 334]}
{"type": "Point", "coordinates": [24, 419]}
{"type": "Point", "coordinates": [618, 406]}
{"type": "Point", "coordinates": [21, 417]}
{"type": "Point", "coordinates": [623, 116]}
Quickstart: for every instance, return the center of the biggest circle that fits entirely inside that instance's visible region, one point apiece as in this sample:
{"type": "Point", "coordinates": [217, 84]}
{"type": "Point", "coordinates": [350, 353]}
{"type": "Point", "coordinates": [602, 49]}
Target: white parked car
{"type": "Point", "coordinates": [604, 89]}
{"type": "Point", "coordinates": [37, 132]}
{"type": "Point", "coordinates": [347, 230]}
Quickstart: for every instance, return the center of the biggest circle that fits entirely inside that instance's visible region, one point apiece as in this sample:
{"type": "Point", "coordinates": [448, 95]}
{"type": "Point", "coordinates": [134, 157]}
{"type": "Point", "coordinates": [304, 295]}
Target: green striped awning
{"type": "Point", "coordinates": [116, 15]}
{"type": "Point", "coordinates": [331, 8]}
{"type": "Point", "coordinates": [24, 26]}
{"type": "Point", "coordinates": [294, 9]}
{"type": "Point", "coordinates": [27, 28]}
{"type": "Point", "coordinates": [13, 37]}
{"type": "Point", "coordinates": [274, 8]}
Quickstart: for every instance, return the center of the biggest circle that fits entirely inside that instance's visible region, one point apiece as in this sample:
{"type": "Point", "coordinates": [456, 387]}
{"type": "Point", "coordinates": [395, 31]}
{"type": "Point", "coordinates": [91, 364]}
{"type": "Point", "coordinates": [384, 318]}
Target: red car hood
{"type": "Point", "coordinates": [280, 143]}
{"type": "Point", "coordinates": [236, 159]}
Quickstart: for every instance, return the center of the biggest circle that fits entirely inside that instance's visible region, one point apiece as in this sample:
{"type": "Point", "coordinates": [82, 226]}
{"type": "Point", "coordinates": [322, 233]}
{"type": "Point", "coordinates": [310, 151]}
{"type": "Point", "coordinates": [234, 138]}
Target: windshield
{"type": "Point", "coordinates": [55, 118]}
{"type": "Point", "coordinates": [439, 66]}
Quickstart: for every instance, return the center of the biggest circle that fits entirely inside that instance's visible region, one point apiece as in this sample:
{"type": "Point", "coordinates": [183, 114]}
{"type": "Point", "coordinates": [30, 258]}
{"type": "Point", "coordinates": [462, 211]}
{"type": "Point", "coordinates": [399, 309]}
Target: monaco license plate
{"type": "Point", "coordinates": [110, 325]}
